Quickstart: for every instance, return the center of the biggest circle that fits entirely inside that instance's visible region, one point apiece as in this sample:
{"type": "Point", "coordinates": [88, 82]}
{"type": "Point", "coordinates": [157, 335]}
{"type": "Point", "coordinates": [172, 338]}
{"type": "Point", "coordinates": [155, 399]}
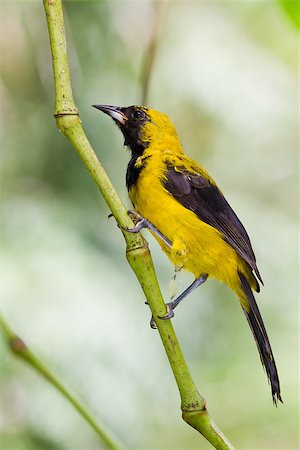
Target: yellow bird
{"type": "Point", "coordinates": [189, 216]}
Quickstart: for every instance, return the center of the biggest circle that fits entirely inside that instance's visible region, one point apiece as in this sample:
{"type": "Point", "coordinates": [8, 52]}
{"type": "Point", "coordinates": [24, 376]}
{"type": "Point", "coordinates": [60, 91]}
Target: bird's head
{"type": "Point", "coordinates": [143, 127]}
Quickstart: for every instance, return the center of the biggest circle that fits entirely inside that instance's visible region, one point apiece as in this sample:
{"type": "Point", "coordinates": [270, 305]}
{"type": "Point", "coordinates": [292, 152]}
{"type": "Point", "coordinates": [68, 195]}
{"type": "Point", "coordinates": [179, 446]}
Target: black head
{"type": "Point", "coordinates": [131, 121]}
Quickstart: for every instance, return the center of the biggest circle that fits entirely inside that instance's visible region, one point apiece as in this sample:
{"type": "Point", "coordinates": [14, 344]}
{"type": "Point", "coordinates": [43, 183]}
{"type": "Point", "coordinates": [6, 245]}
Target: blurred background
{"type": "Point", "coordinates": [226, 73]}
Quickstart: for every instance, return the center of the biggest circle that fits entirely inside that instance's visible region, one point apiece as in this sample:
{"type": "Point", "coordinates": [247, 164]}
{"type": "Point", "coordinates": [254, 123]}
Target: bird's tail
{"type": "Point", "coordinates": [261, 338]}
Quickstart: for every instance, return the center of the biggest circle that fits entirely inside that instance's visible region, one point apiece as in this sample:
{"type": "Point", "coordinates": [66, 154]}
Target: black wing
{"type": "Point", "coordinates": [199, 195]}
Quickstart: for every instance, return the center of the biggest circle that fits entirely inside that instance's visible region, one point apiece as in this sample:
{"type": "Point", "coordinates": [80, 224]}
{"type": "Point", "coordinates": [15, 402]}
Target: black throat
{"type": "Point", "coordinates": [133, 173]}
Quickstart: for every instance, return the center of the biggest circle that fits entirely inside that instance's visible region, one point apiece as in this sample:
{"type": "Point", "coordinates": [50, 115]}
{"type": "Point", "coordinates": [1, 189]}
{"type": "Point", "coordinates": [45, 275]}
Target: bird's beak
{"type": "Point", "coordinates": [115, 112]}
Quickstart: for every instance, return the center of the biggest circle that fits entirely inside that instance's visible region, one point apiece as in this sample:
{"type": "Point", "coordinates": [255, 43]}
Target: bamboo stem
{"type": "Point", "coordinates": [21, 350]}
{"type": "Point", "coordinates": [192, 403]}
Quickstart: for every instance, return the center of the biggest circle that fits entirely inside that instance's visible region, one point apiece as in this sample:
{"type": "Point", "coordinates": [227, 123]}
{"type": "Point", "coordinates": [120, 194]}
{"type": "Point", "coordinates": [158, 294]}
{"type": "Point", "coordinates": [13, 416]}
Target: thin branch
{"type": "Point", "coordinates": [21, 350]}
{"type": "Point", "coordinates": [150, 52]}
{"type": "Point", "coordinates": [193, 404]}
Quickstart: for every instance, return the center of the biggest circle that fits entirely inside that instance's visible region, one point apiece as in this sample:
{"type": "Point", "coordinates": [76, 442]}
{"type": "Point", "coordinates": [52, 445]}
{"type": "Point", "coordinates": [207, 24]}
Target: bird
{"type": "Point", "coordinates": [187, 213]}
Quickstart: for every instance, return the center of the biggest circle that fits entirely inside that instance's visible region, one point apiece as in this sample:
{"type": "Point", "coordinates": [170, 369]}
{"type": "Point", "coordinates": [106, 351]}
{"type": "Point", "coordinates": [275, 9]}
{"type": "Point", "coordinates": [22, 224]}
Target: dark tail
{"type": "Point", "coordinates": [261, 338]}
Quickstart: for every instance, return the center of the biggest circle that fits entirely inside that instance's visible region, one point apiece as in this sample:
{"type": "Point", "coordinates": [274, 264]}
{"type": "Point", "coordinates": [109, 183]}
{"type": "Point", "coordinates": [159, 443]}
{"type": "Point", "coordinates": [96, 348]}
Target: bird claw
{"type": "Point", "coordinates": [135, 216]}
{"type": "Point", "coordinates": [152, 321]}
{"type": "Point", "coordinates": [142, 222]}
{"type": "Point", "coordinates": [138, 226]}
{"type": "Point", "coordinates": [170, 312]}
{"type": "Point", "coordinates": [139, 221]}
{"type": "Point", "coordinates": [153, 324]}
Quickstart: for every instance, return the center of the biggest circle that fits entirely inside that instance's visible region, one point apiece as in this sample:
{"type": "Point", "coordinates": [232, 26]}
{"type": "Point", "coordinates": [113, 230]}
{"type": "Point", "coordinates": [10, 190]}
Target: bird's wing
{"type": "Point", "coordinates": [199, 194]}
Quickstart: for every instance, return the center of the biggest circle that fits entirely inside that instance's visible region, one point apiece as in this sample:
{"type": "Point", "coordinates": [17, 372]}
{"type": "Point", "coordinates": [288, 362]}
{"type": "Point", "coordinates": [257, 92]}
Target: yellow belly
{"type": "Point", "coordinates": [196, 246]}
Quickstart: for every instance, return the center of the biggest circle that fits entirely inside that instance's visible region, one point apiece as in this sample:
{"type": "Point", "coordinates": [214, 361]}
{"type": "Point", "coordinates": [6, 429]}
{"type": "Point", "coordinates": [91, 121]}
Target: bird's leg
{"type": "Point", "coordinates": [141, 222]}
{"type": "Point", "coordinates": [172, 305]}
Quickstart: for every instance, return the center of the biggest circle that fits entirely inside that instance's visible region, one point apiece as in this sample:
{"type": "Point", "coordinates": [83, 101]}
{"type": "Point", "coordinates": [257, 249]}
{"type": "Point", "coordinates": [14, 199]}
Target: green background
{"type": "Point", "coordinates": [227, 75]}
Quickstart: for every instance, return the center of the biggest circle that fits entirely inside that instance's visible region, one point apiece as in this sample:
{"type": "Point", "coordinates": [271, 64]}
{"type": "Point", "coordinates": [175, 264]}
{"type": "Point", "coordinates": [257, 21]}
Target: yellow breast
{"type": "Point", "coordinates": [196, 246]}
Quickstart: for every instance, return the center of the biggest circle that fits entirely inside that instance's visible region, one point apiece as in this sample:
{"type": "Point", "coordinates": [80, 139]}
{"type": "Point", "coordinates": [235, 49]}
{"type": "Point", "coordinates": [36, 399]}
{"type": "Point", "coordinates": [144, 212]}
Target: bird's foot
{"type": "Point", "coordinates": [153, 324]}
{"type": "Point", "coordinates": [169, 315]}
{"type": "Point", "coordinates": [140, 222]}
{"type": "Point", "coordinates": [170, 311]}
{"type": "Point", "coordinates": [152, 321]}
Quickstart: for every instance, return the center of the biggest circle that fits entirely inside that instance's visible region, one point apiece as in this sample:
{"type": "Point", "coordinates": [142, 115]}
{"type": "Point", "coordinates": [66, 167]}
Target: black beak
{"type": "Point", "coordinates": [115, 112]}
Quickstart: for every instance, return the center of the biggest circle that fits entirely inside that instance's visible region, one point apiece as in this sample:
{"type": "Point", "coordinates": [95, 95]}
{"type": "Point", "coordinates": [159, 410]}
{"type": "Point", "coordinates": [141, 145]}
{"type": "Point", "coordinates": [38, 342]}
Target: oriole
{"type": "Point", "coordinates": [189, 216]}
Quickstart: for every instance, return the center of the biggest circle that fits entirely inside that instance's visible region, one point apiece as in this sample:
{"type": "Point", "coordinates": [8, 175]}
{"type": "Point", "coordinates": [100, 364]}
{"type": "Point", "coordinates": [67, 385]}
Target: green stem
{"type": "Point", "coordinates": [192, 403]}
{"type": "Point", "coordinates": [21, 350]}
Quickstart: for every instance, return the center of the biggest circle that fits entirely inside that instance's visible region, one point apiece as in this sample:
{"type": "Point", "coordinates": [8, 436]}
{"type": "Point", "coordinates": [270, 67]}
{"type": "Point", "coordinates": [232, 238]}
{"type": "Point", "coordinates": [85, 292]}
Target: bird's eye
{"type": "Point", "coordinates": [138, 114]}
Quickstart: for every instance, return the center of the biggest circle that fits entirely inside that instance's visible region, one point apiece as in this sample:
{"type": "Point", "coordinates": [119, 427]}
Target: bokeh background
{"type": "Point", "coordinates": [226, 72]}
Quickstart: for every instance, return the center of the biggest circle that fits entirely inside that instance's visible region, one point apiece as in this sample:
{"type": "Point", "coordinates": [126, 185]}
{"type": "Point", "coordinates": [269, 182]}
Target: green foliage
{"type": "Point", "coordinates": [28, 439]}
{"type": "Point", "coordinates": [292, 9]}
